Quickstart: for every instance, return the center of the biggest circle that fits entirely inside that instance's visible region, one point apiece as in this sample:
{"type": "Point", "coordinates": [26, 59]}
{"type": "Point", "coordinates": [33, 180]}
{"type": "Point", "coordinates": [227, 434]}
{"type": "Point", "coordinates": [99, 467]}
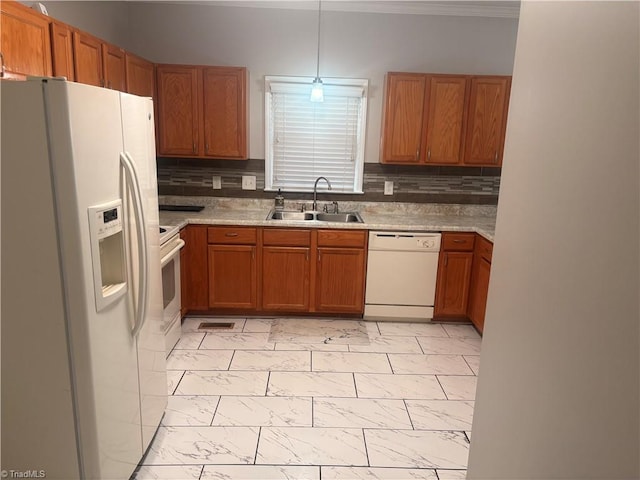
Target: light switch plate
{"type": "Point", "coordinates": [216, 182]}
{"type": "Point", "coordinates": [388, 187]}
{"type": "Point", "coordinates": [248, 182]}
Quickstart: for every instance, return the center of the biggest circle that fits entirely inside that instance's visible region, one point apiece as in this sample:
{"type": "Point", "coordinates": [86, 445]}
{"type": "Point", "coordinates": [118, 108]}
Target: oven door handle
{"type": "Point", "coordinates": [168, 256]}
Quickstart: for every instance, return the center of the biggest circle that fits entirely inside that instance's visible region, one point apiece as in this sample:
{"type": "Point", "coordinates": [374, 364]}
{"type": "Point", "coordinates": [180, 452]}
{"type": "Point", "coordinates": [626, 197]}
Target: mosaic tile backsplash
{"type": "Point", "coordinates": [417, 184]}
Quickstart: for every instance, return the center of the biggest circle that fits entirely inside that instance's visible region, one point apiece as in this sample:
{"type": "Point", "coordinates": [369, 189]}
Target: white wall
{"type": "Point", "coordinates": [107, 20]}
{"type": "Point", "coordinates": [283, 42]}
{"type": "Point", "coordinates": [558, 392]}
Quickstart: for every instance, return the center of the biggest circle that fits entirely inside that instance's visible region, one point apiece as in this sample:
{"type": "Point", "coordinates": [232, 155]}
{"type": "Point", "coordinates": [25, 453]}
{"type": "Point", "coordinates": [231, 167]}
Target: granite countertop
{"type": "Point", "coordinates": [387, 216]}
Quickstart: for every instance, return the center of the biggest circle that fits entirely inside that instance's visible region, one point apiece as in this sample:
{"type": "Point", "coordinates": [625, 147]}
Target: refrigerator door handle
{"type": "Point", "coordinates": [131, 177]}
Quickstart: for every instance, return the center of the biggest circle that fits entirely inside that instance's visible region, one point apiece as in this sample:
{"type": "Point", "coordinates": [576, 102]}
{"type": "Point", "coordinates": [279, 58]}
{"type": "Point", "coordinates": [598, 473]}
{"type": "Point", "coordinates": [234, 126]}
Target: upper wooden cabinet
{"type": "Point", "coordinates": [98, 63]}
{"type": "Point", "coordinates": [178, 121]}
{"type": "Point", "coordinates": [113, 67]}
{"type": "Point", "coordinates": [141, 78]}
{"type": "Point", "coordinates": [430, 119]}
{"type": "Point", "coordinates": [62, 50]}
{"type": "Point", "coordinates": [87, 59]}
{"type": "Point", "coordinates": [402, 118]}
{"type": "Point", "coordinates": [202, 111]}
{"type": "Point", "coordinates": [25, 46]}
{"type": "Point", "coordinates": [487, 120]}
{"type": "Point", "coordinates": [445, 119]}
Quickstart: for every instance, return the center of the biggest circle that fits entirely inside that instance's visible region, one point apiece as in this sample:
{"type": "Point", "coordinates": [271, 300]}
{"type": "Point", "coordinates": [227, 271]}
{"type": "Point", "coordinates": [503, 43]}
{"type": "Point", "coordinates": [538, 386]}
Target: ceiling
{"type": "Point", "coordinates": [466, 8]}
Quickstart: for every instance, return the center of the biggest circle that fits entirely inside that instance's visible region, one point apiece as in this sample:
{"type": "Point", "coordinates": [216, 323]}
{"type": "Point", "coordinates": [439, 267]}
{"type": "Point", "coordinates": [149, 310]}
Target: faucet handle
{"type": "Point", "coordinates": [335, 207]}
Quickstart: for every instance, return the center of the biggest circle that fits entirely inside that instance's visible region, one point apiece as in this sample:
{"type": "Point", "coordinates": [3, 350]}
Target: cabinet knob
{"type": "Point", "coordinates": [2, 69]}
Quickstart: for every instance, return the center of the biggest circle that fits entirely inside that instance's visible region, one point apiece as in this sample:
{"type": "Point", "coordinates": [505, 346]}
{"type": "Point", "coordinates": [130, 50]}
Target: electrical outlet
{"type": "Point", "coordinates": [248, 182]}
{"type": "Point", "coordinates": [388, 187]}
{"type": "Point", "coordinates": [216, 181]}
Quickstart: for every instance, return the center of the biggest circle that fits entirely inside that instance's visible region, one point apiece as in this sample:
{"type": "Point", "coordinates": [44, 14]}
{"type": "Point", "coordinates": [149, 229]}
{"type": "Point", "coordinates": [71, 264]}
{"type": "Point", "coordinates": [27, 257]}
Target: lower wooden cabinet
{"type": "Point", "coordinates": [340, 280]}
{"type": "Point", "coordinates": [232, 276]}
{"type": "Point", "coordinates": [340, 271]}
{"type": "Point", "coordinates": [194, 269]}
{"type": "Point", "coordinates": [454, 273]}
{"type": "Point", "coordinates": [232, 263]}
{"type": "Point", "coordinates": [269, 270]}
{"type": "Point", "coordinates": [480, 282]}
{"type": "Point", "coordinates": [286, 272]}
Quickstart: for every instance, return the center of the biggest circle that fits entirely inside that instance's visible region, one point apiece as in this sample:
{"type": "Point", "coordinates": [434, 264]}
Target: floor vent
{"type": "Point", "coordinates": [215, 326]}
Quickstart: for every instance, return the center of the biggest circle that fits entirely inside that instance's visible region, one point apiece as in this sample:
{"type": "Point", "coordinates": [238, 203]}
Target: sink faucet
{"type": "Point", "coordinates": [315, 191]}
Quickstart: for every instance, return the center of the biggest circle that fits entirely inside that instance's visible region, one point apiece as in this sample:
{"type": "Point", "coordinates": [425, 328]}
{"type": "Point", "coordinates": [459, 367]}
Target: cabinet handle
{"type": "Point", "coordinates": [2, 69]}
{"type": "Point", "coordinates": [206, 147]}
{"type": "Point", "coordinates": [459, 240]}
{"type": "Point", "coordinates": [417, 154]}
{"type": "Point", "coordinates": [231, 234]}
{"type": "Point", "coordinates": [318, 256]}
{"type": "Point", "coordinates": [495, 159]}
{"type": "Point", "coordinates": [194, 147]}
{"type": "Point", "coordinates": [446, 259]}
{"type": "Point", "coordinates": [429, 154]}
{"type": "Point", "coordinates": [307, 255]}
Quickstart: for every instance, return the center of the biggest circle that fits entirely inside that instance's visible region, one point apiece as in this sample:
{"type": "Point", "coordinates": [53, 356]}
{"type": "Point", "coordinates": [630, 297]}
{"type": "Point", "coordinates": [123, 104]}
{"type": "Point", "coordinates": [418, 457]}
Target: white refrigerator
{"type": "Point", "coordinates": [84, 383]}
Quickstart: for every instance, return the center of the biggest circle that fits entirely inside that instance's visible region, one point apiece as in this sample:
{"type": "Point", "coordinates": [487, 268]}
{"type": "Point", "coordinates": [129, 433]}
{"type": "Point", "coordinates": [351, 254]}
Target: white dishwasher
{"type": "Point", "coordinates": [401, 275]}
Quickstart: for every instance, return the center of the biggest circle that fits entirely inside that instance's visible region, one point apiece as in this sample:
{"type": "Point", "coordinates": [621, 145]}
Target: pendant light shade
{"type": "Point", "coordinates": [317, 91]}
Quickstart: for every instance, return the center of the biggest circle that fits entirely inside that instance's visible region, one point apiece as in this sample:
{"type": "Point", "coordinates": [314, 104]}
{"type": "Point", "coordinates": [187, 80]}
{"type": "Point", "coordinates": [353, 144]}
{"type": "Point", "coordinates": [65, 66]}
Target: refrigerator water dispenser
{"type": "Point", "coordinates": [107, 253]}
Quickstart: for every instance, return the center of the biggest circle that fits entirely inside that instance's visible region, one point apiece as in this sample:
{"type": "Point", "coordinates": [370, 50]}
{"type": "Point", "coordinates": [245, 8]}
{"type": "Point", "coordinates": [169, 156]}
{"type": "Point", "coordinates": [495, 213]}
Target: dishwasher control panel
{"type": "Point", "coordinates": [405, 241]}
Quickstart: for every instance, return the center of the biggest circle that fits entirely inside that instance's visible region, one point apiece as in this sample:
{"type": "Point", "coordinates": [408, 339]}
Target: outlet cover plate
{"type": "Point", "coordinates": [388, 187]}
{"type": "Point", "coordinates": [216, 182]}
{"type": "Point", "coordinates": [248, 182]}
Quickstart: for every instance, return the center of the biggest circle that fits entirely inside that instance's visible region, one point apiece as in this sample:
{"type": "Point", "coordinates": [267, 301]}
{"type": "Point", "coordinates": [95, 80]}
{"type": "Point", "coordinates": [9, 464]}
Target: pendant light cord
{"type": "Point", "coordinates": [318, 58]}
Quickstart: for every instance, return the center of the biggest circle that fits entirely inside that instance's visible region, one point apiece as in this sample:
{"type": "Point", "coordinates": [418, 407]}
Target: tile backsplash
{"type": "Point", "coordinates": [416, 184]}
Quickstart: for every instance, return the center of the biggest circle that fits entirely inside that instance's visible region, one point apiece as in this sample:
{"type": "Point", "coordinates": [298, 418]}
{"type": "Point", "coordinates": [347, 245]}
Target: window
{"type": "Point", "coordinates": [306, 140]}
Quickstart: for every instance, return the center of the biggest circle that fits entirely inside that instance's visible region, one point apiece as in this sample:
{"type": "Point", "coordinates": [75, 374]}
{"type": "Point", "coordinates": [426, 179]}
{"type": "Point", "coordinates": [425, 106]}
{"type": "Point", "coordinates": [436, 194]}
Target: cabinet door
{"type": "Point", "coordinates": [184, 274]}
{"type": "Point", "coordinates": [25, 45]}
{"type": "Point", "coordinates": [195, 283]}
{"type": "Point", "coordinates": [87, 59]}
{"type": "Point", "coordinates": [479, 290]}
{"type": "Point", "coordinates": [177, 110]}
{"type": "Point", "coordinates": [62, 50]}
{"type": "Point", "coordinates": [445, 121]}
{"type": "Point", "coordinates": [113, 65]}
{"type": "Point", "coordinates": [225, 112]}
{"type": "Point", "coordinates": [402, 118]}
{"type": "Point", "coordinates": [285, 278]}
{"type": "Point", "coordinates": [232, 276]}
{"type": "Point", "coordinates": [452, 289]}
{"type": "Point", "coordinates": [487, 120]}
{"type": "Point", "coordinates": [140, 76]}
{"type": "Point", "coordinates": [340, 280]}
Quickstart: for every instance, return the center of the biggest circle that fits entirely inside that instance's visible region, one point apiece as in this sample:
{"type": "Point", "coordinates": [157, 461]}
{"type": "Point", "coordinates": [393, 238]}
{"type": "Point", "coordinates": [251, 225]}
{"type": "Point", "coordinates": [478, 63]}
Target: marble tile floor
{"type": "Point", "coordinates": [311, 399]}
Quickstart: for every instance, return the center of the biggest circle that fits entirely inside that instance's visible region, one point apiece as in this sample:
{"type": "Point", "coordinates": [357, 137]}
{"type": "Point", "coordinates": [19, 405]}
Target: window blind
{"type": "Point", "coordinates": [307, 139]}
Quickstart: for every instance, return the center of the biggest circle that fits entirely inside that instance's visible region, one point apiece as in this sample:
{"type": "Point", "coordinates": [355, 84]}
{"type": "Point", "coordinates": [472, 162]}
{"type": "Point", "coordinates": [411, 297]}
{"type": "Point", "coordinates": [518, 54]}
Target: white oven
{"type": "Point", "coordinates": [170, 245]}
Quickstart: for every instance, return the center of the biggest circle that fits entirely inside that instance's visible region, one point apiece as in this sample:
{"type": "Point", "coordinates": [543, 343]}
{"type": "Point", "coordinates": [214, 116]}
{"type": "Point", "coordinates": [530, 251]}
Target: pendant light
{"type": "Point", "coordinates": [317, 93]}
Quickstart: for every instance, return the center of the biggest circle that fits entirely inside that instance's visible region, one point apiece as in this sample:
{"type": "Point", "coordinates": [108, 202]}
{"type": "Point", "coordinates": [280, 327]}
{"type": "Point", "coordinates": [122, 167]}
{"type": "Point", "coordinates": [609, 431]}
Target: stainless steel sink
{"type": "Point", "coordinates": [282, 215]}
{"type": "Point", "coordinates": [346, 217]}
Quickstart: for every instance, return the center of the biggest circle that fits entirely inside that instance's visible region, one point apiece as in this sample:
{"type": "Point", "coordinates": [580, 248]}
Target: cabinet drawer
{"type": "Point", "coordinates": [458, 242]}
{"type": "Point", "coordinates": [232, 235]}
{"type": "Point", "coordinates": [342, 238]}
{"type": "Point", "coordinates": [286, 237]}
{"type": "Point", "coordinates": [484, 248]}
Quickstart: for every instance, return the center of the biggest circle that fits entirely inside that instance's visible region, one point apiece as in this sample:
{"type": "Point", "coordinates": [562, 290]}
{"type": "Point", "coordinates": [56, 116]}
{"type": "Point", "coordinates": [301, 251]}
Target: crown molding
{"type": "Point", "coordinates": [469, 8]}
